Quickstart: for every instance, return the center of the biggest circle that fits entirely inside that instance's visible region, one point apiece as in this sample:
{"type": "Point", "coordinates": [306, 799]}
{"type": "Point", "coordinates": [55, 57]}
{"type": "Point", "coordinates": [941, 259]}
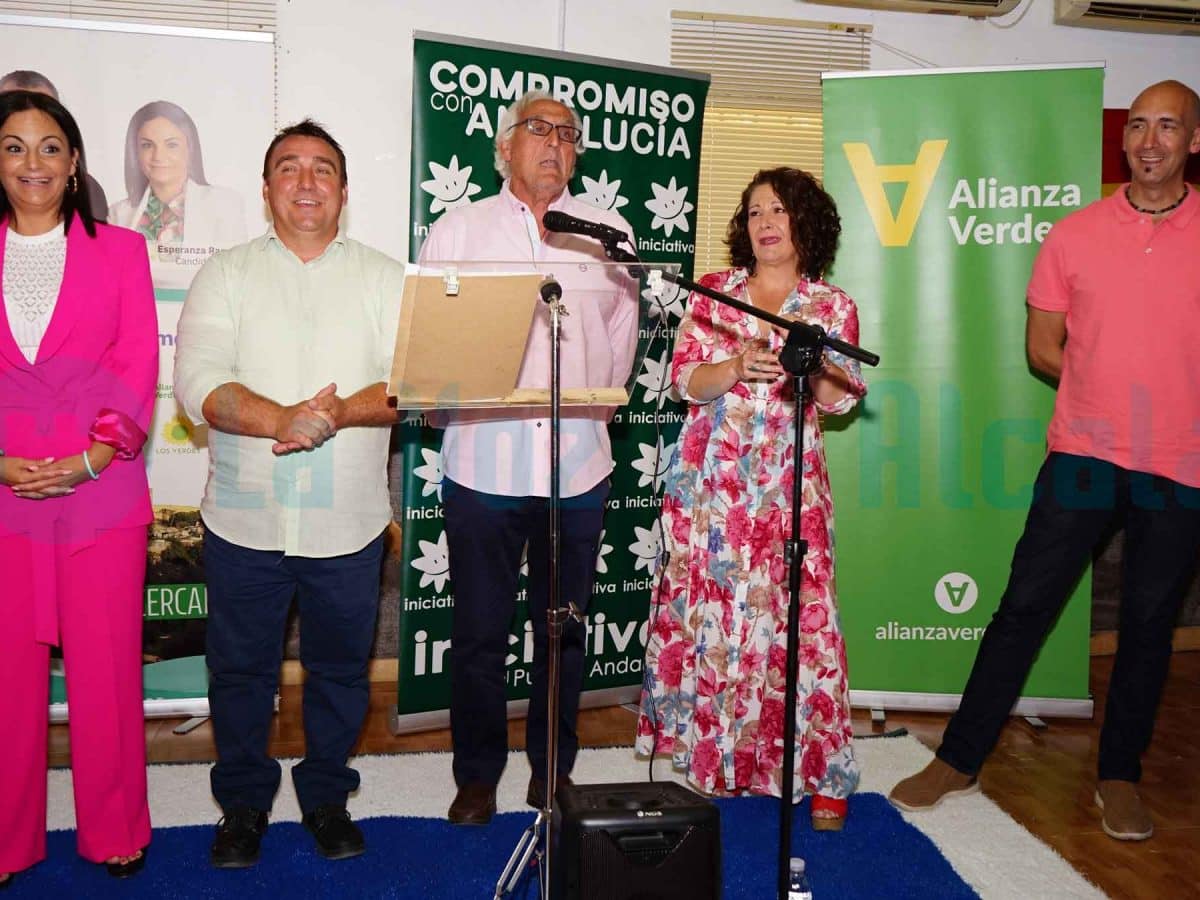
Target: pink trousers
{"type": "Point", "coordinates": [98, 599]}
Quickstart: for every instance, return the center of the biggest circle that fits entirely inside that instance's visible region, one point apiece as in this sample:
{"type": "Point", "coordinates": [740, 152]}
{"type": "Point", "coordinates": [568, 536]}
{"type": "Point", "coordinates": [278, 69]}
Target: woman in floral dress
{"type": "Point", "coordinates": [713, 696]}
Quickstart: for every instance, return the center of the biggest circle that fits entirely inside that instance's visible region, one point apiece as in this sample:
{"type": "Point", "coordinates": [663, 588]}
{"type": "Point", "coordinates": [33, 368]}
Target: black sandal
{"type": "Point", "coordinates": [130, 868]}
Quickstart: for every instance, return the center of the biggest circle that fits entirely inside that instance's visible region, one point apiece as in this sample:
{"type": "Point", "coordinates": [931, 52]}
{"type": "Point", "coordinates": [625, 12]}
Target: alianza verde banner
{"type": "Point", "coordinates": [641, 157]}
{"type": "Point", "coordinates": [947, 182]}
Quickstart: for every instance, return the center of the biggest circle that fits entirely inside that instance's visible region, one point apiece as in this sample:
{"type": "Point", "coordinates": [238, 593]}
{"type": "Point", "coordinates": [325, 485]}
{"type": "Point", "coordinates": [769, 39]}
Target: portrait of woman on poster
{"type": "Point", "coordinates": [168, 199]}
{"type": "Point", "coordinates": [713, 693]}
{"type": "Point", "coordinates": [78, 373]}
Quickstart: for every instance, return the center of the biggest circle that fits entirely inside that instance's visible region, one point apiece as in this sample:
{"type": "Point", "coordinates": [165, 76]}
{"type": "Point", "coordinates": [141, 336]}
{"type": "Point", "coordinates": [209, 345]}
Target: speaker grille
{"type": "Point", "coordinates": [638, 842]}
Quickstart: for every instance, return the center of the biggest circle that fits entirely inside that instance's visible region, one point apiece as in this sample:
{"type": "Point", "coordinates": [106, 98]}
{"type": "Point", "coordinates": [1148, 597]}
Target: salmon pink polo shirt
{"type": "Point", "coordinates": [1130, 387]}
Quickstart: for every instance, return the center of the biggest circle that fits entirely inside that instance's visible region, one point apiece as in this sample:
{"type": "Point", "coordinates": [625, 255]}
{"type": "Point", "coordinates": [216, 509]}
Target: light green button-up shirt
{"type": "Point", "coordinates": [258, 316]}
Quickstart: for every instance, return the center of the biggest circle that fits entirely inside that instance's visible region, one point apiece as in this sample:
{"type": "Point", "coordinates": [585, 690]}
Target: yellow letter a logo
{"type": "Point", "coordinates": [918, 176]}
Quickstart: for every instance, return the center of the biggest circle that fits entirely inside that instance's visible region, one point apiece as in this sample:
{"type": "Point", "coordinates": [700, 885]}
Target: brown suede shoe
{"type": "Point", "coordinates": [474, 804]}
{"type": "Point", "coordinates": [931, 786]}
{"type": "Point", "coordinates": [1125, 817]}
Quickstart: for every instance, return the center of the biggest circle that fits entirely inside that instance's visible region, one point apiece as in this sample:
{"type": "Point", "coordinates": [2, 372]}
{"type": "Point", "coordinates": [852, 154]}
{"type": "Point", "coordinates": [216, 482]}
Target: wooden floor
{"type": "Point", "coordinates": [1043, 779]}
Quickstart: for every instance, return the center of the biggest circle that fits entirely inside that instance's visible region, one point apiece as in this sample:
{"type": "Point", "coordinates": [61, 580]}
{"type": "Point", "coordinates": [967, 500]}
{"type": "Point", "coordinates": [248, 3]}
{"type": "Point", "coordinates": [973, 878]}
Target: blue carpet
{"type": "Point", "coordinates": [878, 854]}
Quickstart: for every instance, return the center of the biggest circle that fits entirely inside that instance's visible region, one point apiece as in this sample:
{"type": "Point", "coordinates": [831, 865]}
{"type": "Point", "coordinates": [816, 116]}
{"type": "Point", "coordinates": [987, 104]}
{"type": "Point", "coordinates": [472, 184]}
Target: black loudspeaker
{"type": "Point", "coordinates": [635, 841]}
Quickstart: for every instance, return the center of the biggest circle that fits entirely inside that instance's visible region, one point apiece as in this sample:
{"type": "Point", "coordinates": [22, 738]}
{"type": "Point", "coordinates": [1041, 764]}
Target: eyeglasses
{"type": "Point", "coordinates": [568, 134]}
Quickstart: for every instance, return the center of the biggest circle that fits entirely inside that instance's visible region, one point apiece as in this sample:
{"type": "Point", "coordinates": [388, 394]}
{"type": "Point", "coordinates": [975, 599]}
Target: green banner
{"type": "Point", "coordinates": [947, 183]}
{"type": "Point", "coordinates": [640, 157]}
{"type": "Point", "coordinates": [170, 602]}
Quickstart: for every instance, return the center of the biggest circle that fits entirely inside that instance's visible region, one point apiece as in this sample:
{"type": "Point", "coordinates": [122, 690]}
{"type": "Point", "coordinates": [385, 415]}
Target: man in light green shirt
{"type": "Point", "coordinates": [283, 350]}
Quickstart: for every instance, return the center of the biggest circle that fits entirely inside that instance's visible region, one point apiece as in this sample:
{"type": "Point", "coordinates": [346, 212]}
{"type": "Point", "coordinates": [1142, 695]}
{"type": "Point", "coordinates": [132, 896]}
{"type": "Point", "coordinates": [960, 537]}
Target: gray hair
{"type": "Point", "coordinates": [515, 113]}
{"type": "Point", "coordinates": [28, 80]}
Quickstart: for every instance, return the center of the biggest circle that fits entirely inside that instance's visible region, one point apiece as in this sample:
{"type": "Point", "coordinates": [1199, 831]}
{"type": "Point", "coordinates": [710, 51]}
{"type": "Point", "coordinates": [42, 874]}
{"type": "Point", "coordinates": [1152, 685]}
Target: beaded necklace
{"type": "Point", "coordinates": [1157, 212]}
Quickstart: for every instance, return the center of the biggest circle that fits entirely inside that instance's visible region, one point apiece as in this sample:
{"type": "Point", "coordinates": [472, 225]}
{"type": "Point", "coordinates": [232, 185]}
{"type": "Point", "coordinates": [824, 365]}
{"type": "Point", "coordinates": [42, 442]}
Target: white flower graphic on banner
{"type": "Point", "coordinates": [670, 207]}
{"type": "Point", "coordinates": [645, 465]}
{"type": "Point", "coordinates": [605, 549]}
{"type": "Point", "coordinates": [669, 303]}
{"type": "Point", "coordinates": [450, 186]}
{"type": "Point", "coordinates": [646, 548]}
{"type": "Point", "coordinates": [602, 193]}
{"type": "Point", "coordinates": [431, 472]}
{"type": "Point", "coordinates": [433, 563]}
{"type": "Point", "coordinates": [656, 378]}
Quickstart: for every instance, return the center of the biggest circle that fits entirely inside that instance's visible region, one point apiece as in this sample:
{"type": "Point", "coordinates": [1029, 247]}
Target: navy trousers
{"type": "Point", "coordinates": [249, 594]}
{"type": "Point", "coordinates": [1077, 501]}
{"type": "Point", "coordinates": [485, 534]}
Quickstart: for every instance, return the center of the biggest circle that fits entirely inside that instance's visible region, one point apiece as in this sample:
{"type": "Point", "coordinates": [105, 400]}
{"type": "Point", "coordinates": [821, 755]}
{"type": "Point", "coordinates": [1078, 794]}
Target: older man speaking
{"type": "Point", "coordinates": [496, 463]}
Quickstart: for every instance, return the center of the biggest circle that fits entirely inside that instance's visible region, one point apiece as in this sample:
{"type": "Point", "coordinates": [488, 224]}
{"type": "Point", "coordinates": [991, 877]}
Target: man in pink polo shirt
{"type": "Point", "coordinates": [1114, 316]}
{"type": "Point", "coordinates": [496, 463]}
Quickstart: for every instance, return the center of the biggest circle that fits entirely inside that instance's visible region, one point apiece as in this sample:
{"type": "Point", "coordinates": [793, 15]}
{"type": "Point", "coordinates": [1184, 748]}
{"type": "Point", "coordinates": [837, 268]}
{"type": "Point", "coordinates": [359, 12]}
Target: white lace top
{"type": "Point", "coordinates": [33, 272]}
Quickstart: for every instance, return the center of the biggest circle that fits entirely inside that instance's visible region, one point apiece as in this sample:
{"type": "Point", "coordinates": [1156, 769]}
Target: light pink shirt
{"type": "Point", "coordinates": [1130, 387]}
{"type": "Point", "coordinates": [507, 451]}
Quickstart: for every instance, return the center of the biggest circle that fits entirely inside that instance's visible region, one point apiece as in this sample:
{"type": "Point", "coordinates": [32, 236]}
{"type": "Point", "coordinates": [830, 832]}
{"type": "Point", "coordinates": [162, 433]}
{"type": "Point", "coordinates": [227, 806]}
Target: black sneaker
{"type": "Point", "coordinates": [337, 837]}
{"type": "Point", "coordinates": [239, 835]}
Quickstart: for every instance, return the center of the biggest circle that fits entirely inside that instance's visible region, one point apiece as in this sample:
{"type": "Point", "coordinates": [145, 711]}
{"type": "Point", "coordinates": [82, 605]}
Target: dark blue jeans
{"type": "Point", "coordinates": [1077, 501]}
{"type": "Point", "coordinates": [249, 593]}
{"type": "Point", "coordinates": [485, 534]}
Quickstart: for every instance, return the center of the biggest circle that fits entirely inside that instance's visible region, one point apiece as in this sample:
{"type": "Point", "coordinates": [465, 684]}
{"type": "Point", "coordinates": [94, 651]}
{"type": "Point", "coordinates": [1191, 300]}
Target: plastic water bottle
{"type": "Point", "coordinates": [798, 886]}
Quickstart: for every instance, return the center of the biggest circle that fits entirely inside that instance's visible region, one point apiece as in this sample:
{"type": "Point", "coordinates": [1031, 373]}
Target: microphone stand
{"type": "Point", "coordinates": [800, 357]}
{"type": "Point", "coordinates": [537, 834]}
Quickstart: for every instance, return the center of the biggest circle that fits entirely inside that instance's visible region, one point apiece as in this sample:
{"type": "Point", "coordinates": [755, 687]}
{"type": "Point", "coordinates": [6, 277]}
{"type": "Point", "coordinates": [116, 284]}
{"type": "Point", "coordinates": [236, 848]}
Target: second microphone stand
{"type": "Point", "coordinates": [800, 357]}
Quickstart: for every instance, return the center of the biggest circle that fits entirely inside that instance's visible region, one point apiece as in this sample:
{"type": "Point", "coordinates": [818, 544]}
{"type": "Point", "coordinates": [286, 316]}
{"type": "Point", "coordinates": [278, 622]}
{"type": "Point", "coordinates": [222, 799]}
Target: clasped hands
{"type": "Point", "coordinates": [43, 479]}
{"type": "Point", "coordinates": [310, 423]}
{"type": "Point", "coordinates": [757, 362]}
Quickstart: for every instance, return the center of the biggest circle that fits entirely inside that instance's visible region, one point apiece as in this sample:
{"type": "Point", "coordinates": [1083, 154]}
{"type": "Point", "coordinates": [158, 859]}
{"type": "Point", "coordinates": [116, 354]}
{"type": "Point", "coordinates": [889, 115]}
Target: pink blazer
{"type": "Point", "coordinates": [99, 352]}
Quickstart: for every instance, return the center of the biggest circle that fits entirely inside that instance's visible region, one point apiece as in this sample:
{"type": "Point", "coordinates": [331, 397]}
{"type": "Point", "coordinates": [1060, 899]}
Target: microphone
{"type": "Point", "coordinates": [554, 220]}
{"type": "Point", "coordinates": [550, 290]}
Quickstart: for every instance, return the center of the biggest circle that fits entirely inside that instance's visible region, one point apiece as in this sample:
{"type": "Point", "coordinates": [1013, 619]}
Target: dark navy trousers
{"type": "Point", "coordinates": [485, 534]}
{"type": "Point", "coordinates": [249, 594]}
{"type": "Point", "coordinates": [1077, 501]}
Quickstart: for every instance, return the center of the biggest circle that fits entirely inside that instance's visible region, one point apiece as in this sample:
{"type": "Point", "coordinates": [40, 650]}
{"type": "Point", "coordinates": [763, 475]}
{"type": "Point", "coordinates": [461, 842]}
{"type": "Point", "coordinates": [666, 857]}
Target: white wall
{"type": "Point", "coordinates": [350, 64]}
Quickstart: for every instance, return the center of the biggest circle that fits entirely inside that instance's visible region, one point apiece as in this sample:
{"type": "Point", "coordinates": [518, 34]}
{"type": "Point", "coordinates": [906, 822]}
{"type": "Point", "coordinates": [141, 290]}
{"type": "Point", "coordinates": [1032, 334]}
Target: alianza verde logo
{"type": "Point", "coordinates": [956, 592]}
{"type": "Point", "coordinates": [983, 209]}
{"type": "Point", "coordinates": [895, 230]}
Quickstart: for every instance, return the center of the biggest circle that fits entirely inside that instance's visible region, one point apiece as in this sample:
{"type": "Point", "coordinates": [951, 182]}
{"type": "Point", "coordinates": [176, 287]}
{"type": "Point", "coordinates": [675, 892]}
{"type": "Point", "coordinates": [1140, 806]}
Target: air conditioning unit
{"type": "Point", "coordinates": [1162, 16]}
{"type": "Point", "coordinates": [977, 9]}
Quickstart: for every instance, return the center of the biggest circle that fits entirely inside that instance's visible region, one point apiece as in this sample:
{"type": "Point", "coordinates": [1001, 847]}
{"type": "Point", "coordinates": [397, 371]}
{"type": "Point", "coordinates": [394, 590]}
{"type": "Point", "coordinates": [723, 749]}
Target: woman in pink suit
{"type": "Point", "coordinates": [78, 370]}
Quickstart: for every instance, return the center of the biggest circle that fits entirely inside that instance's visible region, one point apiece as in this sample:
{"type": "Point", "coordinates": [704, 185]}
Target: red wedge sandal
{"type": "Point", "coordinates": [828, 813]}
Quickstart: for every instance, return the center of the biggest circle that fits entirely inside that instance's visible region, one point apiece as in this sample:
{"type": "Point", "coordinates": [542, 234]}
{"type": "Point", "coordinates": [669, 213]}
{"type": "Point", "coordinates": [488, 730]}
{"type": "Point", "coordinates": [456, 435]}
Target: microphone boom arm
{"type": "Point", "coordinates": [799, 333]}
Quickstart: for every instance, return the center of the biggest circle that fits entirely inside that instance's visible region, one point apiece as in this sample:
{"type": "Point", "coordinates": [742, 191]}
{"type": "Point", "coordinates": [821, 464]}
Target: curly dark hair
{"type": "Point", "coordinates": [815, 224]}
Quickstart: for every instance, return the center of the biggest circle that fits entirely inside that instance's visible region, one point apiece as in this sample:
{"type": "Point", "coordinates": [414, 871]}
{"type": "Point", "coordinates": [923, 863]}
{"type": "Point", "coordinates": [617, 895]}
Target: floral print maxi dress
{"type": "Point", "coordinates": [715, 661]}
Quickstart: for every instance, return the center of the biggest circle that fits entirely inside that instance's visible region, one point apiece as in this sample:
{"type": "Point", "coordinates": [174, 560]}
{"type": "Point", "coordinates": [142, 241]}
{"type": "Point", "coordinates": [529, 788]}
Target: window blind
{"type": "Point", "coordinates": [225, 15]}
{"type": "Point", "coordinates": [764, 104]}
